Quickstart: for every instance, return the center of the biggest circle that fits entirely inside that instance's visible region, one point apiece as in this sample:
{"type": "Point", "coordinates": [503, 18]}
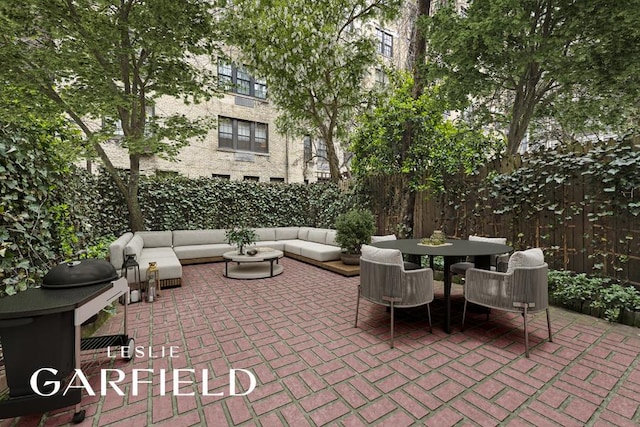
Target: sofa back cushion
{"type": "Point", "coordinates": [156, 239]}
{"type": "Point", "coordinates": [198, 237]}
{"type": "Point", "coordinates": [134, 247]}
{"type": "Point", "coordinates": [287, 233]}
{"type": "Point", "coordinates": [385, 256]}
{"type": "Point", "coordinates": [529, 258]}
{"type": "Point", "coordinates": [116, 250]}
{"type": "Point", "coordinates": [267, 234]}
{"type": "Point", "coordinates": [375, 239]}
{"type": "Point", "coordinates": [500, 240]}
{"type": "Point", "coordinates": [330, 239]}
{"type": "Point", "coordinates": [317, 235]}
{"type": "Point", "coordinates": [303, 233]}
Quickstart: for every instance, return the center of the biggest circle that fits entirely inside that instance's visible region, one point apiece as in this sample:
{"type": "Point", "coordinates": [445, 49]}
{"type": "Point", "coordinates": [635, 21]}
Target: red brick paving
{"type": "Point", "coordinates": [295, 334]}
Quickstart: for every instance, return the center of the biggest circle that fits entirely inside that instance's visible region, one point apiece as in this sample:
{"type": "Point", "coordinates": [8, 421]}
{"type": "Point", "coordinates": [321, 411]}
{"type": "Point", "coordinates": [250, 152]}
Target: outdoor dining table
{"type": "Point", "coordinates": [453, 251]}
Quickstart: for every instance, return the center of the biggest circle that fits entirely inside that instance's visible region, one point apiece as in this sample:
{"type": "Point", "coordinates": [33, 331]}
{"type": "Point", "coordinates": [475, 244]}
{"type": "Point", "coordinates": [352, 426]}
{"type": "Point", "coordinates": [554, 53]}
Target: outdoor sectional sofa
{"type": "Point", "coordinates": [173, 249]}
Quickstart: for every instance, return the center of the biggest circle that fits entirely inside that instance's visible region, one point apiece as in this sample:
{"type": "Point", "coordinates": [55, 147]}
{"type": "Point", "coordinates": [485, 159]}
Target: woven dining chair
{"type": "Point", "coordinates": [523, 288]}
{"type": "Point", "coordinates": [384, 281]}
{"type": "Point", "coordinates": [498, 262]}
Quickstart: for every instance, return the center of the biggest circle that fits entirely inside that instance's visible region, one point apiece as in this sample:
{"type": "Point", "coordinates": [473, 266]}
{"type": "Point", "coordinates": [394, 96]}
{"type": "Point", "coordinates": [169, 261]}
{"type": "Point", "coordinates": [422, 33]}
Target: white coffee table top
{"type": "Point", "coordinates": [264, 254]}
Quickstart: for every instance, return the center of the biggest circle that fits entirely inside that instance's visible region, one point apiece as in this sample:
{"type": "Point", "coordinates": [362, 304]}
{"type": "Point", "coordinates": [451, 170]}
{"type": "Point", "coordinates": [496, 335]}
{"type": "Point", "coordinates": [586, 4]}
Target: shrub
{"type": "Point", "coordinates": [353, 229]}
{"type": "Point", "coordinates": [567, 288]}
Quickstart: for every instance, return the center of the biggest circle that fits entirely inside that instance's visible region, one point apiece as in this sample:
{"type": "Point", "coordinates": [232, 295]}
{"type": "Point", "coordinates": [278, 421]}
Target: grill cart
{"type": "Point", "coordinates": [41, 328]}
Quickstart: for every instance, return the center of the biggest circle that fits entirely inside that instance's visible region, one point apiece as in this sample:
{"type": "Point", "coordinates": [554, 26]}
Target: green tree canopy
{"type": "Point", "coordinates": [314, 57]}
{"type": "Point", "coordinates": [521, 61]}
{"type": "Point", "coordinates": [439, 147]}
{"type": "Point", "coordinates": [103, 61]}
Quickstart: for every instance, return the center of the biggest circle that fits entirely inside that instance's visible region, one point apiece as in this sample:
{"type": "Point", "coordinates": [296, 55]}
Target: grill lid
{"type": "Point", "coordinates": [75, 274]}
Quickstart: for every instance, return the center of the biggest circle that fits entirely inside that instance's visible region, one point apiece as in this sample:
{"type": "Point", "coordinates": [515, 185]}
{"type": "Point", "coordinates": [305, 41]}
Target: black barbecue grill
{"type": "Point", "coordinates": [40, 328]}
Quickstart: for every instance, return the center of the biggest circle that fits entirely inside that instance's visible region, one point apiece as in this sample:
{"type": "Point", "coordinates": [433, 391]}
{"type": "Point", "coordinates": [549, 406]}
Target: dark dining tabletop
{"type": "Point", "coordinates": [454, 251]}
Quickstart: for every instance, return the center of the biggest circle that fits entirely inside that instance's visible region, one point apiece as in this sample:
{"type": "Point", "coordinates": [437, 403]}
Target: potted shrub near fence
{"type": "Point", "coordinates": [353, 229]}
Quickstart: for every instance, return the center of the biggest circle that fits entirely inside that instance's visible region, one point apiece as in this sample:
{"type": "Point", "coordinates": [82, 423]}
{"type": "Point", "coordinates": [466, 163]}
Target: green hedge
{"type": "Point", "coordinates": [39, 222]}
{"type": "Point", "coordinates": [170, 203]}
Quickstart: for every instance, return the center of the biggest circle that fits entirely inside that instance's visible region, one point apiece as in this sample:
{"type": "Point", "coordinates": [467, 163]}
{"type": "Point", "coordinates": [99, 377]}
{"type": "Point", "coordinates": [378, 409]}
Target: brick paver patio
{"type": "Point", "coordinates": [294, 333]}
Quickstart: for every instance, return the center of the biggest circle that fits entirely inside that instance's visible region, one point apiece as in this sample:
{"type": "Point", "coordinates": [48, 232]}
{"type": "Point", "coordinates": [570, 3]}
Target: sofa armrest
{"type": "Point", "coordinates": [116, 250]}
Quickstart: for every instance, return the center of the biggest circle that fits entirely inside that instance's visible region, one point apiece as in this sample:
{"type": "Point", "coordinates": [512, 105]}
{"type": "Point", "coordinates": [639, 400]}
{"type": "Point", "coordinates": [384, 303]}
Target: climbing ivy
{"type": "Point", "coordinates": [557, 189]}
{"type": "Point", "coordinates": [172, 203]}
{"type": "Point", "coordinates": [36, 228]}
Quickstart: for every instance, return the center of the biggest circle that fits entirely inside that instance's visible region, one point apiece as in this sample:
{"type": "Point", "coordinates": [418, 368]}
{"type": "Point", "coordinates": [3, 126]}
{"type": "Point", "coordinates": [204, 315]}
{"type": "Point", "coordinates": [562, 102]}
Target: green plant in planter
{"type": "Point", "coordinates": [572, 289]}
{"type": "Point", "coordinates": [616, 298]}
{"type": "Point", "coordinates": [353, 229]}
{"type": "Point", "coordinates": [240, 237]}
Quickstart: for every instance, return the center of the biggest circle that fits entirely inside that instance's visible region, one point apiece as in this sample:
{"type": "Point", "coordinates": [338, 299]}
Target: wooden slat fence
{"type": "Point", "coordinates": [573, 234]}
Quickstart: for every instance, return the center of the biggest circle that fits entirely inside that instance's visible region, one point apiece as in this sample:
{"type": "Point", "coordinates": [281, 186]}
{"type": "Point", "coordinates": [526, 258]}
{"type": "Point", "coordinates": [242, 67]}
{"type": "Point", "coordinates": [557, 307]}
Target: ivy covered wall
{"type": "Point", "coordinates": [182, 203]}
{"type": "Point", "coordinates": [581, 204]}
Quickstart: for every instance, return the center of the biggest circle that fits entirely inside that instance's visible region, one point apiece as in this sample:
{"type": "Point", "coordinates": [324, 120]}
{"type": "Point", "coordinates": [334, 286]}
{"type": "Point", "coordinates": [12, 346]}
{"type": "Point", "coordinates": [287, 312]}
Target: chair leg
{"type": "Point", "coordinates": [464, 313]}
{"type": "Point", "coordinates": [357, 307]}
{"type": "Point", "coordinates": [392, 324]}
{"type": "Point", "coordinates": [526, 332]}
{"type": "Point", "coordinates": [549, 326]}
{"type": "Point", "coordinates": [429, 316]}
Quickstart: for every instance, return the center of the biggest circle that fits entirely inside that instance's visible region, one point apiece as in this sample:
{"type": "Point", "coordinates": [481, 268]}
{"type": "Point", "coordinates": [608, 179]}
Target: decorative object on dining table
{"type": "Point", "coordinates": [240, 237]}
{"type": "Point", "coordinates": [438, 238]}
{"type": "Point", "coordinates": [252, 251]}
{"type": "Point", "coordinates": [353, 229]}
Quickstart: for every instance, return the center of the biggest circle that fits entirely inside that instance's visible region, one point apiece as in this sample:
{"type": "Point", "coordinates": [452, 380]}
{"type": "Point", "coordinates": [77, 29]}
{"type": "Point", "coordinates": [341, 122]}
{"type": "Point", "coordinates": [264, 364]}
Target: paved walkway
{"type": "Point", "coordinates": [295, 335]}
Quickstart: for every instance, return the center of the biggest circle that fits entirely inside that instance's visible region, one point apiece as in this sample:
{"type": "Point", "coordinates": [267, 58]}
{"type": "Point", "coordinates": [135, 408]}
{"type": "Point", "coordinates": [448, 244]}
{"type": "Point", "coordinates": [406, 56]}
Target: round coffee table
{"type": "Point", "coordinates": [259, 266]}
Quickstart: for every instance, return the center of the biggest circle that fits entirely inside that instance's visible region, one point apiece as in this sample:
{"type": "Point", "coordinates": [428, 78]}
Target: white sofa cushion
{"type": "Point", "coordinates": [169, 266]}
{"type": "Point", "coordinates": [293, 246]}
{"type": "Point", "coordinates": [265, 234]}
{"type": "Point", "coordinates": [320, 251]}
{"type": "Point", "coordinates": [198, 237]}
{"type": "Point", "coordinates": [317, 235]}
{"type": "Point", "coordinates": [202, 251]}
{"type": "Point", "coordinates": [134, 247]}
{"type": "Point", "coordinates": [156, 239]}
{"type": "Point", "coordinates": [287, 233]}
{"type": "Point", "coordinates": [330, 239]}
{"type": "Point", "coordinates": [385, 256]}
{"type": "Point", "coordinates": [529, 258]}
{"type": "Point", "coordinates": [375, 239]}
{"type": "Point", "coordinates": [303, 233]}
{"type": "Point", "coordinates": [501, 240]}
{"type": "Point", "coordinates": [116, 250]}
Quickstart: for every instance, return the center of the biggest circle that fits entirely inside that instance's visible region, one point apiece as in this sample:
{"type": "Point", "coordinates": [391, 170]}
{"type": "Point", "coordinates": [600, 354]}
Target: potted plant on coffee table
{"type": "Point", "coordinates": [353, 229]}
{"type": "Point", "coordinates": [240, 237]}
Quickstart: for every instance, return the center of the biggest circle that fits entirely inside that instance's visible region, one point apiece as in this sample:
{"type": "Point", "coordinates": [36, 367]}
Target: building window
{"type": "Point", "coordinates": [276, 179]}
{"type": "Point", "coordinates": [381, 77]}
{"type": "Point", "coordinates": [385, 43]}
{"type": "Point", "coordinates": [237, 79]}
{"type": "Point", "coordinates": [221, 176]}
{"type": "Point", "coordinates": [251, 178]}
{"type": "Point", "coordinates": [242, 135]}
{"type": "Point", "coordinates": [260, 88]}
{"type": "Point", "coordinates": [308, 154]}
{"type": "Point", "coordinates": [118, 132]}
{"type": "Point", "coordinates": [323, 158]}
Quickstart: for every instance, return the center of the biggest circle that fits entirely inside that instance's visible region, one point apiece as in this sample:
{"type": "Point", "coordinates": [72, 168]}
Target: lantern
{"type": "Point", "coordinates": [153, 282]}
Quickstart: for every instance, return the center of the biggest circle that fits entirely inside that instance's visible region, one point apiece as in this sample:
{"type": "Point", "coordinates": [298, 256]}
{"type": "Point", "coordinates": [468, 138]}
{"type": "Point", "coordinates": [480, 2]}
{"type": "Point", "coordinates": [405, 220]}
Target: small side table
{"type": "Point", "coordinates": [131, 263]}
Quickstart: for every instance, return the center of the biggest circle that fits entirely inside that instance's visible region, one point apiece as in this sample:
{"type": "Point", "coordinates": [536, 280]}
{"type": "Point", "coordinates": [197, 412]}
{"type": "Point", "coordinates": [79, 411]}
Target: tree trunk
{"type": "Point", "coordinates": [334, 163]}
{"type": "Point", "coordinates": [133, 203]}
{"type": "Point", "coordinates": [419, 53]}
{"type": "Point", "coordinates": [129, 191]}
{"type": "Point", "coordinates": [523, 106]}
